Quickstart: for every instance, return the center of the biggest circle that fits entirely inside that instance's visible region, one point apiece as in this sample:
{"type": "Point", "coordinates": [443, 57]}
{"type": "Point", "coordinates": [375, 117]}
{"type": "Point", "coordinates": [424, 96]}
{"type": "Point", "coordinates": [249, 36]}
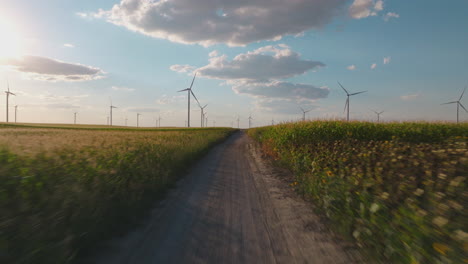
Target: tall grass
{"type": "Point", "coordinates": [62, 191]}
{"type": "Point", "coordinates": [397, 189]}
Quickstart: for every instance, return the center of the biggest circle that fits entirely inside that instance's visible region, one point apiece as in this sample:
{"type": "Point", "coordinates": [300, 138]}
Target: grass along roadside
{"type": "Point", "coordinates": [62, 190]}
{"type": "Point", "coordinates": [398, 190]}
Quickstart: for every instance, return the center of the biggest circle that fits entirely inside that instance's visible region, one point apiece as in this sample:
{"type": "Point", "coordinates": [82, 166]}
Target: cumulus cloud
{"type": "Point", "coordinates": [42, 68]}
{"type": "Point", "coordinates": [281, 90]}
{"type": "Point", "coordinates": [387, 60]}
{"type": "Point", "coordinates": [351, 67]}
{"type": "Point", "coordinates": [373, 66]}
{"type": "Point", "coordinates": [265, 63]}
{"type": "Point", "coordinates": [365, 8]}
{"type": "Point", "coordinates": [410, 97]}
{"type": "Point", "coordinates": [68, 45]}
{"type": "Point", "coordinates": [260, 73]}
{"type": "Point", "coordinates": [123, 89]}
{"type": "Point", "coordinates": [164, 100]}
{"type": "Point", "coordinates": [208, 22]}
{"type": "Point", "coordinates": [390, 15]}
{"type": "Point", "coordinates": [182, 68]}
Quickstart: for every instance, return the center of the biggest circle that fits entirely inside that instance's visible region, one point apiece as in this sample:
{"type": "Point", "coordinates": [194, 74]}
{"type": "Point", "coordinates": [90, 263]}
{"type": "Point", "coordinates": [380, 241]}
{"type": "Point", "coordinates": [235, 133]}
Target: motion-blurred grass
{"type": "Point", "coordinates": [63, 190]}
{"type": "Point", "coordinates": [397, 189]}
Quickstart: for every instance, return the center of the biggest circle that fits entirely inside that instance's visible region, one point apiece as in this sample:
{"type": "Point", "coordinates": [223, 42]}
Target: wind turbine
{"type": "Point", "coordinates": [74, 118]}
{"type": "Point", "coordinates": [454, 102]}
{"type": "Point", "coordinates": [272, 122]}
{"type": "Point", "coordinates": [304, 112]}
{"type": "Point", "coordinates": [16, 110]}
{"type": "Point", "coordinates": [111, 107]}
{"type": "Point", "coordinates": [202, 114]}
{"type": "Point", "coordinates": [378, 115]}
{"type": "Point", "coordinates": [138, 117]}
{"type": "Point", "coordinates": [189, 91]}
{"type": "Point", "coordinates": [7, 97]}
{"type": "Point", "coordinates": [159, 121]}
{"type": "Point", "coordinates": [347, 99]}
{"type": "Point", "coordinates": [206, 119]}
{"type": "Point", "coordinates": [250, 120]}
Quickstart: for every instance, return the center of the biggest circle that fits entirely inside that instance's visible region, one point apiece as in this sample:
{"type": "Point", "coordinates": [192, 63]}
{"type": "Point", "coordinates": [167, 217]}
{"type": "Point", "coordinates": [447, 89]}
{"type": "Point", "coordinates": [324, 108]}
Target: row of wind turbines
{"type": "Point", "coordinates": [204, 116]}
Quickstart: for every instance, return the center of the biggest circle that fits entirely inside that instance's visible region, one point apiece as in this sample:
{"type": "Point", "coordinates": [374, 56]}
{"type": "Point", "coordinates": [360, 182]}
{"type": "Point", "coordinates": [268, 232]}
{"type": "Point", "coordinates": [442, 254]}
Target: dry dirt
{"type": "Point", "coordinates": [231, 208]}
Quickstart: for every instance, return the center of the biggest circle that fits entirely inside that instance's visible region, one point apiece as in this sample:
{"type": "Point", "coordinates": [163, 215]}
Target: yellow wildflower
{"type": "Point", "coordinates": [441, 248]}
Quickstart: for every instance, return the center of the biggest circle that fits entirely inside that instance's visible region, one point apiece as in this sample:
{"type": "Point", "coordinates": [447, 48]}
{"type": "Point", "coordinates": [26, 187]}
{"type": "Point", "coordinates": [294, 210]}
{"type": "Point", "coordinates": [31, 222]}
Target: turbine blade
{"type": "Point", "coordinates": [302, 109]}
{"type": "Point", "coordinates": [357, 93]}
{"type": "Point", "coordinates": [462, 94]}
{"type": "Point", "coordinates": [194, 96]}
{"type": "Point", "coordinates": [346, 91]}
{"type": "Point", "coordinates": [183, 90]}
{"type": "Point", "coordinates": [205, 106]}
{"type": "Point", "coordinates": [450, 103]}
{"type": "Point", "coordinates": [463, 107]}
{"type": "Point", "coordinates": [193, 81]}
{"type": "Point", "coordinates": [12, 93]}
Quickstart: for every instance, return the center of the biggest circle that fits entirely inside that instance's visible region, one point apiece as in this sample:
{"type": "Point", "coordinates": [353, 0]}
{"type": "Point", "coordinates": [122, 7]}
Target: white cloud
{"type": "Point", "coordinates": [208, 22]}
{"type": "Point", "coordinates": [365, 8]}
{"type": "Point", "coordinates": [265, 63]}
{"type": "Point", "coordinates": [351, 67]}
{"type": "Point", "coordinates": [390, 15]}
{"type": "Point", "coordinates": [123, 89]}
{"type": "Point", "coordinates": [182, 68]}
{"type": "Point", "coordinates": [373, 66]}
{"type": "Point", "coordinates": [258, 73]}
{"type": "Point", "coordinates": [410, 97]}
{"type": "Point", "coordinates": [214, 53]}
{"type": "Point", "coordinates": [387, 60]}
{"type": "Point", "coordinates": [280, 90]}
{"type": "Point", "coordinates": [164, 100]}
{"type": "Point", "coordinates": [68, 45]}
{"type": "Point", "coordinates": [283, 106]}
{"type": "Point", "coordinates": [46, 69]}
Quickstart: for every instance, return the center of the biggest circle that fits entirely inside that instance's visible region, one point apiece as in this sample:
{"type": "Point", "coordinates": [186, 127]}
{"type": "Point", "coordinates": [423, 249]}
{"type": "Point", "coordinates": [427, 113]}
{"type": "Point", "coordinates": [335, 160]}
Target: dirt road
{"type": "Point", "coordinates": [231, 208]}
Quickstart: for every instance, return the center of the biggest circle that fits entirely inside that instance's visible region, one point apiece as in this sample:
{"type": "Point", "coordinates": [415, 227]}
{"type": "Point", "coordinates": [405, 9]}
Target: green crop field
{"type": "Point", "coordinates": [397, 189]}
{"type": "Point", "coordinates": [62, 188]}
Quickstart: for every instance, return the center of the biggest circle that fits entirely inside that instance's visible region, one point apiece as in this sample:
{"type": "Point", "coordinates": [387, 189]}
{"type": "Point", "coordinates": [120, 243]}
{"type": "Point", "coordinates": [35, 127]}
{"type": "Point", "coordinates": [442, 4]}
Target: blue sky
{"type": "Point", "coordinates": [264, 58]}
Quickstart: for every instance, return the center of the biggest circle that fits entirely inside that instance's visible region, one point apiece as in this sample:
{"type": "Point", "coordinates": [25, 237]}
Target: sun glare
{"type": "Point", "coordinates": [10, 44]}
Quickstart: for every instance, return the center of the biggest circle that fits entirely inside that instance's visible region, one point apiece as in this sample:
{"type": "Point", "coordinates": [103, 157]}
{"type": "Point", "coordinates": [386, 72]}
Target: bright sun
{"type": "Point", "coordinates": [10, 44]}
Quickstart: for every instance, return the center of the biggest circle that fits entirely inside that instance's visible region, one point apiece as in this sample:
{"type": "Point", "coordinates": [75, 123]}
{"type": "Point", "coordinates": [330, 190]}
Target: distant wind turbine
{"type": "Point", "coordinates": [202, 114]}
{"type": "Point", "coordinates": [74, 118]}
{"type": "Point", "coordinates": [189, 91]}
{"type": "Point", "coordinates": [206, 119]}
{"type": "Point", "coordinates": [159, 121]}
{"type": "Point", "coordinates": [138, 117]}
{"type": "Point", "coordinates": [304, 112]}
{"type": "Point", "coordinates": [458, 104]}
{"type": "Point", "coordinates": [16, 110]}
{"type": "Point", "coordinates": [111, 107]}
{"type": "Point", "coordinates": [8, 93]}
{"type": "Point", "coordinates": [272, 122]}
{"type": "Point", "coordinates": [250, 120]}
{"type": "Point", "coordinates": [378, 115]}
{"type": "Point", "coordinates": [347, 99]}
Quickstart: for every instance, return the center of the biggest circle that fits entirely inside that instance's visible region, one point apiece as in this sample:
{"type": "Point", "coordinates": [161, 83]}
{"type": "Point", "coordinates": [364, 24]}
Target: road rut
{"type": "Point", "coordinates": [230, 208]}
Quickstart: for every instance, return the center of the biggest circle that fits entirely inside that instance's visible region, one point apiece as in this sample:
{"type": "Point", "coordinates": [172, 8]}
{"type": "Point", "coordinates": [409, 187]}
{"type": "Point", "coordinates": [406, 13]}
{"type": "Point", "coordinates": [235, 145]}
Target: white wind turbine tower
{"type": "Point", "coordinates": [189, 91]}
{"type": "Point", "coordinates": [206, 119]}
{"type": "Point", "coordinates": [272, 122]}
{"type": "Point", "coordinates": [138, 117]}
{"type": "Point", "coordinates": [8, 93]}
{"type": "Point", "coordinates": [304, 112]}
{"type": "Point", "coordinates": [111, 107]}
{"type": "Point", "coordinates": [159, 121]}
{"type": "Point", "coordinates": [347, 99]}
{"type": "Point", "coordinates": [74, 117]}
{"type": "Point", "coordinates": [16, 110]}
{"type": "Point", "coordinates": [458, 104]}
{"type": "Point", "coordinates": [250, 120]}
{"type": "Point", "coordinates": [378, 115]}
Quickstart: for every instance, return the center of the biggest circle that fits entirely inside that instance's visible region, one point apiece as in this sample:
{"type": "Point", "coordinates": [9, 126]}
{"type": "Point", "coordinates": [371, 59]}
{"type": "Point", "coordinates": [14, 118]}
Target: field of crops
{"type": "Point", "coordinates": [63, 190]}
{"type": "Point", "coordinates": [397, 189]}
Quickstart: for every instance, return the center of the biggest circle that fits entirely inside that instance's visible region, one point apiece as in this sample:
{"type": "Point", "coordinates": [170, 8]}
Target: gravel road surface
{"type": "Point", "coordinates": [231, 208]}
